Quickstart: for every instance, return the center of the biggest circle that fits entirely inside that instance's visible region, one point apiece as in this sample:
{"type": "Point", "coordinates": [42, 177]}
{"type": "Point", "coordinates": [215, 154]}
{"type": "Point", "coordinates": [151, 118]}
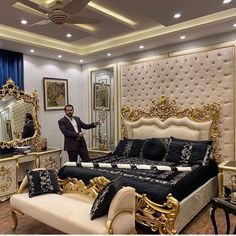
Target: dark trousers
{"type": "Point", "coordinates": [83, 153]}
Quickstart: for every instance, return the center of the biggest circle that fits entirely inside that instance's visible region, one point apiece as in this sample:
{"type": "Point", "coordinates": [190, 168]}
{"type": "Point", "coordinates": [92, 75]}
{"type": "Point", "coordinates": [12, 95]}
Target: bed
{"type": "Point", "coordinates": [169, 155]}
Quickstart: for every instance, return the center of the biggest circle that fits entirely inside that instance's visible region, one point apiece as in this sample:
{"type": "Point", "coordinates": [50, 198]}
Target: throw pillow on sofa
{"type": "Point", "coordinates": [102, 202]}
{"type": "Point", "coordinates": [42, 181]}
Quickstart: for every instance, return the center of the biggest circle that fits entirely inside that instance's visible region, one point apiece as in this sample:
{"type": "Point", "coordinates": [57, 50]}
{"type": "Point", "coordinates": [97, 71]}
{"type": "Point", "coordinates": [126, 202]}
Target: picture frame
{"type": "Point", "coordinates": [101, 96]}
{"type": "Point", "coordinates": [55, 93]}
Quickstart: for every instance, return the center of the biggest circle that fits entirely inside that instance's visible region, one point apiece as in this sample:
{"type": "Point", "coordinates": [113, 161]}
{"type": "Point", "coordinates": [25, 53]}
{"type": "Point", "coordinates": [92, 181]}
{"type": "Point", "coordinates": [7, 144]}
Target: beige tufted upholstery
{"type": "Point", "coordinates": [191, 80]}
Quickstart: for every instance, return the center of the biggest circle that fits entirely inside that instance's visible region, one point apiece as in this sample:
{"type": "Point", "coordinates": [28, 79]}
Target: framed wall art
{"type": "Point", "coordinates": [55, 93]}
{"type": "Point", "coordinates": [101, 96]}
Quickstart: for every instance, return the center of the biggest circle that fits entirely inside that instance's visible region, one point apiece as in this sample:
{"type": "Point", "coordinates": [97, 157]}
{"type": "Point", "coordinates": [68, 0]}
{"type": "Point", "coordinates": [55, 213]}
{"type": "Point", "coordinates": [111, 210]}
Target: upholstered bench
{"type": "Point", "coordinates": [69, 212]}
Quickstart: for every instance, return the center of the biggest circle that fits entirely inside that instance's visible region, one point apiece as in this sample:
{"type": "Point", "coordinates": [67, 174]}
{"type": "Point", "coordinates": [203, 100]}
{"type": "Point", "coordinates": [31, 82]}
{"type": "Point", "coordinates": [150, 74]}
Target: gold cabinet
{"type": "Point", "coordinates": [8, 177]}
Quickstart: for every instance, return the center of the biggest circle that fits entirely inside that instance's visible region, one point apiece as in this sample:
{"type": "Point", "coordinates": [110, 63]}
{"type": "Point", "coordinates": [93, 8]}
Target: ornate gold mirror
{"type": "Point", "coordinates": [14, 104]}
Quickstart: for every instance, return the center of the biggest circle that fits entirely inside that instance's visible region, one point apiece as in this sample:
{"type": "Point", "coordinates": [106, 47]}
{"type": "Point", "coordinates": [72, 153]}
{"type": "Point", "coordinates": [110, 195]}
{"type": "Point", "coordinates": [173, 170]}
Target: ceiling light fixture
{"type": "Point", "coordinates": [108, 54]}
{"type": "Point", "coordinates": [141, 46]}
{"type": "Point", "coordinates": [177, 15]}
{"type": "Point", "coordinates": [183, 37]}
{"type": "Point", "coordinates": [24, 22]}
{"type": "Point", "coordinates": [59, 56]}
{"type": "Point", "coordinates": [227, 1]}
{"type": "Point", "coordinates": [68, 35]}
{"type": "Point", "coordinates": [234, 25]}
{"type": "Point", "coordinates": [81, 60]}
{"type": "Point", "coordinates": [32, 50]}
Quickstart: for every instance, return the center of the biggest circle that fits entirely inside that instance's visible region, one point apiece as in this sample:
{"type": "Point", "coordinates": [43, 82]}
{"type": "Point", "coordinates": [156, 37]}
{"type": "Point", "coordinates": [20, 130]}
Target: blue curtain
{"type": "Point", "coordinates": [11, 65]}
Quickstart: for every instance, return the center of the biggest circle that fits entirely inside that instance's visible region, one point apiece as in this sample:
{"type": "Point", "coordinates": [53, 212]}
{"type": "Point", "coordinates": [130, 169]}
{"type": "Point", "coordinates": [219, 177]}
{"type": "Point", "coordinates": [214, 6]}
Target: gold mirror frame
{"type": "Point", "coordinates": [10, 89]}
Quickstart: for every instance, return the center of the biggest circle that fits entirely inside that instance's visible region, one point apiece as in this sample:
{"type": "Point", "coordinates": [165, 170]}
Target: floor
{"type": "Point", "coordinates": [201, 224]}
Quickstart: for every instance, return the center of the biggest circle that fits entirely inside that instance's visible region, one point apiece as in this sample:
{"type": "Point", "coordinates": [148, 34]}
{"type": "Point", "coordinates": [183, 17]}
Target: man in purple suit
{"type": "Point", "coordinates": [74, 143]}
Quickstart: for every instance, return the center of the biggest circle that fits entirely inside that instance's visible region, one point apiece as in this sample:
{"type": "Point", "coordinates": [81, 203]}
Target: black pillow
{"type": "Point", "coordinates": [129, 147]}
{"type": "Point", "coordinates": [154, 149]}
{"type": "Point", "coordinates": [194, 152]}
{"type": "Point", "coordinates": [102, 202]}
{"type": "Point", "coordinates": [42, 181]}
{"type": "Point", "coordinates": [120, 148]}
{"type": "Point", "coordinates": [209, 142]}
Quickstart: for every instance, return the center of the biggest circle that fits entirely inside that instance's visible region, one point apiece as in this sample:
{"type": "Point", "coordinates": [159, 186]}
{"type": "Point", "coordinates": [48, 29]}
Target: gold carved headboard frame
{"type": "Point", "coordinates": [165, 108]}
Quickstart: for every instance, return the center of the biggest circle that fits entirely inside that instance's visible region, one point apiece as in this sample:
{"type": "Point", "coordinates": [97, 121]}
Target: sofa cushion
{"type": "Point", "coordinates": [63, 213]}
{"type": "Point", "coordinates": [102, 202]}
{"type": "Point", "coordinates": [42, 181]}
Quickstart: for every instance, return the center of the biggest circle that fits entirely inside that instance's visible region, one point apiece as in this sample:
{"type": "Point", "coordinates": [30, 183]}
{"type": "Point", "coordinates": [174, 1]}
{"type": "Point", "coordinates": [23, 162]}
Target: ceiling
{"type": "Point", "coordinates": [149, 23]}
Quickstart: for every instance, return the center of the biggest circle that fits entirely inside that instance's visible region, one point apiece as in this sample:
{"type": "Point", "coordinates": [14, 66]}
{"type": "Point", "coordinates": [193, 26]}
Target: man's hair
{"type": "Point", "coordinates": [28, 116]}
{"type": "Point", "coordinates": [68, 105]}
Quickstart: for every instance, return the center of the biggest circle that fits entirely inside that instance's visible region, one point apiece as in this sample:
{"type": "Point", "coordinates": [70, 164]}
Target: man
{"type": "Point", "coordinates": [28, 129]}
{"type": "Point", "coordinates": [74, 143]}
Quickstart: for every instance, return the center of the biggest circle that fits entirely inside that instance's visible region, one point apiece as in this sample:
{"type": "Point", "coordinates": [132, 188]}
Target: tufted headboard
{"type": "Point", "coordinates": [164, 119]}
{"type": "Point", "coordinates": [191, 79]}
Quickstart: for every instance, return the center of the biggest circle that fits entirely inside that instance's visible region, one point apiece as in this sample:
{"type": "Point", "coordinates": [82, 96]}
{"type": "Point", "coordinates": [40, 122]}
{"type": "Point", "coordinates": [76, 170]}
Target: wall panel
{"type": "Point", "coordinates": [192, 80]}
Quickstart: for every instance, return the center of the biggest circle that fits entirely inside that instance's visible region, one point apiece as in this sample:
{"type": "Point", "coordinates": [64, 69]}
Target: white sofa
{"type": "Point", "coordinates": [70, 212]}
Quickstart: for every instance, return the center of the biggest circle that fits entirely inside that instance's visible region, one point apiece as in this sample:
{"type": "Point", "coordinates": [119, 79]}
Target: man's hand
{"type": "Point", "coordinates": [97, 123]}
{"type": "Point", "coordinates": [81, 134]}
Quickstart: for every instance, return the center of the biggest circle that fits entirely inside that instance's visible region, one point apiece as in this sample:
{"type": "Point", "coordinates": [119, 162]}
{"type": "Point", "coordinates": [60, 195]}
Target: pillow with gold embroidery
{"type": "Point", "coordinates": [42, 181]}
{"type": "Point", "coordinates": [102, 202]}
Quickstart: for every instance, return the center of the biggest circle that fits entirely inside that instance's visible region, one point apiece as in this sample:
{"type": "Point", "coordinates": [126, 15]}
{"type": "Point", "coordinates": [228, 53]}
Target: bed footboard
{"type": "Point", "coordinates": [160, 218]}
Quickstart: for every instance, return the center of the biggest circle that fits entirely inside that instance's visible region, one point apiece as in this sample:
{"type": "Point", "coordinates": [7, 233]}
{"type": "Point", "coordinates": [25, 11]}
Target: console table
{"type": "Point", "coordinates": [13, 168]}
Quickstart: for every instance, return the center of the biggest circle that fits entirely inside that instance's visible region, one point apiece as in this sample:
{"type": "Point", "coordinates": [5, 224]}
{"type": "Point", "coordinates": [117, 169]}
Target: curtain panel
{"type": "Point", "coordinates": [11, 66]}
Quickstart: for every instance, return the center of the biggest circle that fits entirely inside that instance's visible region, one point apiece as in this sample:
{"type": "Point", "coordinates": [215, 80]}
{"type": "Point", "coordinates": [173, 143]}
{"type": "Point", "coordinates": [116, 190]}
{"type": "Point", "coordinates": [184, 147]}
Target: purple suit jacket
{"type": "Point", "coordinates": [72, 141]}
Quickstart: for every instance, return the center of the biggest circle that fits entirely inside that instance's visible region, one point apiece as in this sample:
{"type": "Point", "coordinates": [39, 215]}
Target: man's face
{"type": "Point", "coordinates": [69, 111]}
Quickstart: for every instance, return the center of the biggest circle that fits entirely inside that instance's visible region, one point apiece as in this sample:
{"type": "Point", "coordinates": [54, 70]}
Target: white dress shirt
{"type": "Point", "coordinates": [74, 124]}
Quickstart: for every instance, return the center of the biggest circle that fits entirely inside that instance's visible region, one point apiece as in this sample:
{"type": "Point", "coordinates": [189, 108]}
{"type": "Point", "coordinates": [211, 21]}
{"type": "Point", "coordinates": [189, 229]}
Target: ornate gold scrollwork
{"type": "Point", "coordinates": [160, 218]}
{"type": "Point", "coordinates": [10, 89]}
{"type": "Point", "coordinates": [77, 186]}
{"type": "Point", "coordinates": [5, 178]}
{"type": "Point", "coordinates": [165, 108]}
{"type": "Point", "coordinates": [50, 162]}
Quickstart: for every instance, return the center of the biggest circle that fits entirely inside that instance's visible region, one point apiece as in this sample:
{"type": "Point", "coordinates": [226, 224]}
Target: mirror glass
{"type": "Point", "coordinates": [14, 105]}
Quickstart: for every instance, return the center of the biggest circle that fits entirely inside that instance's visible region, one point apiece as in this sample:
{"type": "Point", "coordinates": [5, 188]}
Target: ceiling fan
{"type": "Point", "coordinates": [60, 14]}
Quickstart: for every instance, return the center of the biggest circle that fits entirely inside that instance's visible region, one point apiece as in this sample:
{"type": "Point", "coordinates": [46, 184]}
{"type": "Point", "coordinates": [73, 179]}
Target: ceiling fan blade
{"type": "Point", "coordinates": [75, 6]}
{"type": "Point", "coordinates": [42, 22]}
{"type": "Point", "coordinates": [83, 20]}
{"type": "Point", "coordinates": [33, 5]}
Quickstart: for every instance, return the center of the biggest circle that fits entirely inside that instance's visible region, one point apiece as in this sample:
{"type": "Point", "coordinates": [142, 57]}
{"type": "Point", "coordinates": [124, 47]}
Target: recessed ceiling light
{"type": "Point", "coordinates": [81, 60]}
{"type": "Point", "coordinates": [32, 50]}
{"type": "Point", "coordinates": [108, 54]}
{"type": "Point", "coordinates": [141, 46]}
{"type": "Point", "coordinates": [177, 15]}
{"type": "Point", "coordinates": [227, 1]}
{"type": "Point", "coordinates": [183, 37]}
{"type": "Point", "coordinates": [234, 25]}
{"type": "Point", "coordinates": [69, 35]}
{"type": "Point", "coordinates": [24, 22]}
{"type": "Point", "coordinates": [59, 56]}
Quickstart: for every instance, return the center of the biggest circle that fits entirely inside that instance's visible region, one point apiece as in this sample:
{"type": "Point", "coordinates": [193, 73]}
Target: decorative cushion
{"type": "Point", "coordinates": [102, 202]}
{"type": "Point", "coordinates": [189, 152]}
{"type": "Point", "coordinates": [154, 149]}
{"type": "Point", "coordinates": [209, 142]}
{"type": "Point", "coordinates": [42, 181]}
{"type": "Point", "coordinates": [129, 147]}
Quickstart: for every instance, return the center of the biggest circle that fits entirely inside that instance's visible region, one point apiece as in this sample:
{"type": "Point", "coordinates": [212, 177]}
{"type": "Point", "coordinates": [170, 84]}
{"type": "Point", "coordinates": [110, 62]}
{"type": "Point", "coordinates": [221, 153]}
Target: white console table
{"type": "Point", "coordinates": [13, 168]}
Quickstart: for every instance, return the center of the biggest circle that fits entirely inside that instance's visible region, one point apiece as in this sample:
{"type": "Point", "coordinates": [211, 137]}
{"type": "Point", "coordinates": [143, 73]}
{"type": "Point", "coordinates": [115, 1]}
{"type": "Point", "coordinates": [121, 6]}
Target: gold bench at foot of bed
{"type": "Point", "coordinates": [160, 218]}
